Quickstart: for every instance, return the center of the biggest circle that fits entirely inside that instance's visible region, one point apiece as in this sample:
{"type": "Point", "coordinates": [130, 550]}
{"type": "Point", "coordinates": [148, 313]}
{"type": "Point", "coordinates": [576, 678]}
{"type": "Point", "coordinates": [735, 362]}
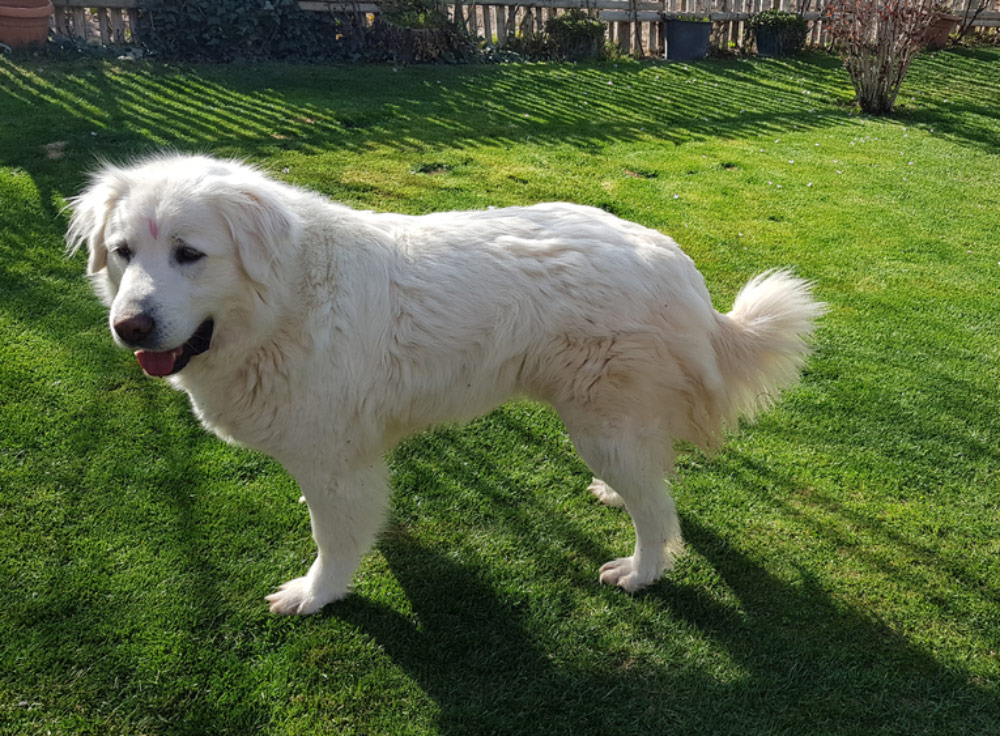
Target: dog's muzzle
{"type": "Point", "coordinates": [168, 362]}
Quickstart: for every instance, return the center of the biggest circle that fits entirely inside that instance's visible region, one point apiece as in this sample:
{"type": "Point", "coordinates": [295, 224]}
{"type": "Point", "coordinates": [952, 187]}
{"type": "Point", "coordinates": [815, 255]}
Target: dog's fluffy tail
{"type": "Point", "coordinates": [762, 343]}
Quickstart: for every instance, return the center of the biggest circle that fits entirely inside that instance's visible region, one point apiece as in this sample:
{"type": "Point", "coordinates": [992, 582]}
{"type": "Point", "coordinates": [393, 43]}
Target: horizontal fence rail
{"type": "Point", "coordinates": [635, 26]}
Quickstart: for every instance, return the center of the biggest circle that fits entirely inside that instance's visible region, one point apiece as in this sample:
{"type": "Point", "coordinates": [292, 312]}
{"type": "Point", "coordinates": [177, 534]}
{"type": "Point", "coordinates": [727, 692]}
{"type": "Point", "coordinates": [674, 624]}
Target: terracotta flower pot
{"type": "Point", "coordinates": [24, 22]}
{"type": "Point", "coordinates": [936, 36]}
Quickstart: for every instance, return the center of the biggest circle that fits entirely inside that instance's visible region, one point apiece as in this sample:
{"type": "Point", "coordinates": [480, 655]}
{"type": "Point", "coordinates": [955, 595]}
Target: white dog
{"type": "Point", "coordinates": [323, 336]}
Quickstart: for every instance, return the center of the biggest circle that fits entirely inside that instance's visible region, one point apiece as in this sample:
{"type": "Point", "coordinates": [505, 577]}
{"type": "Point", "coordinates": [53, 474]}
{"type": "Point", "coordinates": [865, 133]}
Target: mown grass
{"type": "Point", "coordinates": [842, 573]}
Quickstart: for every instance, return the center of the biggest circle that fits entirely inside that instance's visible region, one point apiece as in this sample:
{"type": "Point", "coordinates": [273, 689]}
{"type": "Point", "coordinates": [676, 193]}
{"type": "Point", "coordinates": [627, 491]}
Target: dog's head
{"type": "Point", "coordinates": [180, 248]}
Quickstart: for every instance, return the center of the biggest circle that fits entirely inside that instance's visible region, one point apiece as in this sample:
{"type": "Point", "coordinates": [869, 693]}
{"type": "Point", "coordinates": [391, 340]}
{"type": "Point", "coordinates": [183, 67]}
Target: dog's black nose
{"type": "Point", "coordinates": [135, 329]}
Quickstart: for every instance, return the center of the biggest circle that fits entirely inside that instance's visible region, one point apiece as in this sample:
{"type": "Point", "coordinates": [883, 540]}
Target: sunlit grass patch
{"type": "Point", "coordinates": [841, 575]}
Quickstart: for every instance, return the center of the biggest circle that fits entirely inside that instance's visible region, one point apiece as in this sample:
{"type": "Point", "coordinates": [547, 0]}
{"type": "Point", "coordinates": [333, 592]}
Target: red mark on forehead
{"type": "Point", "coordinates": [154, 229]}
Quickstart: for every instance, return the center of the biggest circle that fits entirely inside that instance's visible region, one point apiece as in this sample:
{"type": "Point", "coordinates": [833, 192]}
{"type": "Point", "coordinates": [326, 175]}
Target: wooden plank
{"type": "Point", "coordinates": [620, 15]}
{"type": "Point", "coordinates": [624, 38]}
{"type": "Point", "coordinates": [501, 26]}
{"type": "Point", "coordinates": [102, 24]}
{"type": "Point", "coordinates": [623, 16]}
{"type": "Point", "coordinates": [99, 3]}
{"type": "Point", "coordinates": [117, 26]}
{"type": "Point", "coordinates": [62, 21]}
{"type": "Point", "coordinates": [560, 4]}
{"type": "Point", "coordinates": [984, 16]}
{"type": "Point", "coordinates": [79, 23]}
{"type": "Point", "coordinates": [133, 25]}
{"type": "Point", "coordinates": [697, 7]}
{"type": "Point", "coordinates": [487, 25]}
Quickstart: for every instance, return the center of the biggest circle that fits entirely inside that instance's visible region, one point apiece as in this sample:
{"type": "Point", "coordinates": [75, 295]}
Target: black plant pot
{"type": "Point", "coordinates": [579, 49]}
{"type": "Point", "coordinates": [686, 40]}
{"type": "Point", "coordinates": [769, 43]}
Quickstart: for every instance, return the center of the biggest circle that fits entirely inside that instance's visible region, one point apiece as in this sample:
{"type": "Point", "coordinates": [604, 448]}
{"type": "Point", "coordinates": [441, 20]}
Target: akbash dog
{"type": "Point", "coordinates": [323, 336]}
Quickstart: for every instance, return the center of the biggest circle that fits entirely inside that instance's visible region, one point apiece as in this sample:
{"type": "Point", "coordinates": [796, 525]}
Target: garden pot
{"type": "Point", "coordinates": [936, 36]}
{"type": "Point", "coordinates": [769, 43]}
{"type": "Point", "coordinates": [686, 40]}
{"type": "Point", "coordinates": [24, 22]}
{"type": "Point", "coordinates": [579, 49]}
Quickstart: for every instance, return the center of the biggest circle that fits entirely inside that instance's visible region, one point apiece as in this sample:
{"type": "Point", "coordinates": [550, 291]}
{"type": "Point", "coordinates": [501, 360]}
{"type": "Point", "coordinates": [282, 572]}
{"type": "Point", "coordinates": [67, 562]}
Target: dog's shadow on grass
{"type": "Point", "coordinates": [805, 662]}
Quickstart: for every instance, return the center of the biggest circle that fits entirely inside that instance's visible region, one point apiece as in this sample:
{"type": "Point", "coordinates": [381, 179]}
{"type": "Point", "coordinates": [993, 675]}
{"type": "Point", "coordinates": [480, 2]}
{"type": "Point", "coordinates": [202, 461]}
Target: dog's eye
{"type": "Point", "coordinates": [187, 254]}
{"type": "Point", "coordinates": [123, 252]}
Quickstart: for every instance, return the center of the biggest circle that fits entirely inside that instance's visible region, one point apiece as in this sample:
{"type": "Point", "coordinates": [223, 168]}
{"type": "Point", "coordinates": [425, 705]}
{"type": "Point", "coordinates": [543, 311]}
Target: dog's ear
{"type": "Point", "coordinates": [261, 223]}
{"type": "Point", "coordinates": [91, 210]}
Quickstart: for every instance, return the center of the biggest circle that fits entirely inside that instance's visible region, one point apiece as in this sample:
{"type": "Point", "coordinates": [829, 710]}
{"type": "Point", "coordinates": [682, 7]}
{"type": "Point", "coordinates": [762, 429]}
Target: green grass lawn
{"type": "Point", "coordinates": [842, 574]}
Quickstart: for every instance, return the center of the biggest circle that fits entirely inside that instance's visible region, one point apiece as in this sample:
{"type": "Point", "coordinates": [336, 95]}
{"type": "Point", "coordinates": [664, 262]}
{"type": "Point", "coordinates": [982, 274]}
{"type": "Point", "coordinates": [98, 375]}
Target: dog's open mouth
{"type": "Point", "coordinates": [167, 362]}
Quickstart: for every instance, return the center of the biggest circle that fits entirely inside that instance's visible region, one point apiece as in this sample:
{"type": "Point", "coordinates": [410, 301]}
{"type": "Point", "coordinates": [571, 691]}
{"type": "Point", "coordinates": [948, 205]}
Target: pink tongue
{"type": "Point", "coordinates": [158, 363]}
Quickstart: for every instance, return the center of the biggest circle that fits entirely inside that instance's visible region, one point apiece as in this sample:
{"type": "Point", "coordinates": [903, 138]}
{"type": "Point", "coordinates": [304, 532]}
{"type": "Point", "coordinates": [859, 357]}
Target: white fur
{"type": "Point", "coordinates": [339, 332]}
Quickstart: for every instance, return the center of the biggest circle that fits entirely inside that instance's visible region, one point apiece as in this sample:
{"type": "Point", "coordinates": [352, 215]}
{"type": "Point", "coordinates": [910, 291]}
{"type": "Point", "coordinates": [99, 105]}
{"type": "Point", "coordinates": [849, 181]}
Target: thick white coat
{"type": "Point", "coordinates": [340, 332]}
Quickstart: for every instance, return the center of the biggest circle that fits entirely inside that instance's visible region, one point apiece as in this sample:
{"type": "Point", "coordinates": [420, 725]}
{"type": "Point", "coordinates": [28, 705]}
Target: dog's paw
{"type": "Point", "coordinates": [630, 577]}
{"type": "Point", "coordinates": [605, 493]}
{"type": "Point", "coordinates": [300, 597]}
{"type": "Point", "coordinates": [621, 572]}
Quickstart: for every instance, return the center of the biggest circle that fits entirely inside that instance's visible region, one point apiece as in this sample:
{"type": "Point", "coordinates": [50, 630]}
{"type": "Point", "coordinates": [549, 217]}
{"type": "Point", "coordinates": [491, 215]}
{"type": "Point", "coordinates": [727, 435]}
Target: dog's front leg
{"type": "Point", "coordinates": [346, 511]}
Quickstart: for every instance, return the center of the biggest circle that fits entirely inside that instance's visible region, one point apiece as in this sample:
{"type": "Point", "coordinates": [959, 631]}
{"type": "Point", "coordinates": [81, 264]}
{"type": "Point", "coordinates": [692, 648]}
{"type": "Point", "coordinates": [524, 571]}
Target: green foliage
{"type": "Point", "coordinates": [532, 46]}
{"type": "Point", "coordinates": [572, 36]}
{"type": "Point", "coordinates": [415, 13]}
{"type": "Point", "coordinates": [575, 34]}
{"type": "Point", "coordinates": [779, 20]}
{"type": "Point", "coordinates": [417, 31]}
{"type": "Point", "coordinates": [227, 30]}
{"type": "Point", "coordinates": [428, 41]}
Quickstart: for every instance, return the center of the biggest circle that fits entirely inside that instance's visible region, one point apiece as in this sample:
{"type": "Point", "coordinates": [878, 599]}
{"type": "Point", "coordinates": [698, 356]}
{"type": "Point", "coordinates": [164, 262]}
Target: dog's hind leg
{"type": "Point", "coordinates": [346, 511]}
{"type": "Point", "coordinates": [634, 463]}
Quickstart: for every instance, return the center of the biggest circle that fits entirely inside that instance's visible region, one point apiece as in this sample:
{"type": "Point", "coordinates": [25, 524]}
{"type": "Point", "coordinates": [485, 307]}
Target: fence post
{"type": "Point", "coordinates": [501, 26]}
{"type": "Point", "coordinates": [487, 25]}
{"type": "Point", "coordinates": [624, 37]}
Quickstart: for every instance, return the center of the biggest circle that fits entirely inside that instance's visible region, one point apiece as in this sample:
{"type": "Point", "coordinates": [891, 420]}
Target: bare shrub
{"type": "Point", "coordinates": [877, 40]}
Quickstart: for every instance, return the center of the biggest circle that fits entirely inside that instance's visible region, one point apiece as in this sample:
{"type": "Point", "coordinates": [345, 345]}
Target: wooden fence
{"type": "Point", "coordinates": [634, 25]}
